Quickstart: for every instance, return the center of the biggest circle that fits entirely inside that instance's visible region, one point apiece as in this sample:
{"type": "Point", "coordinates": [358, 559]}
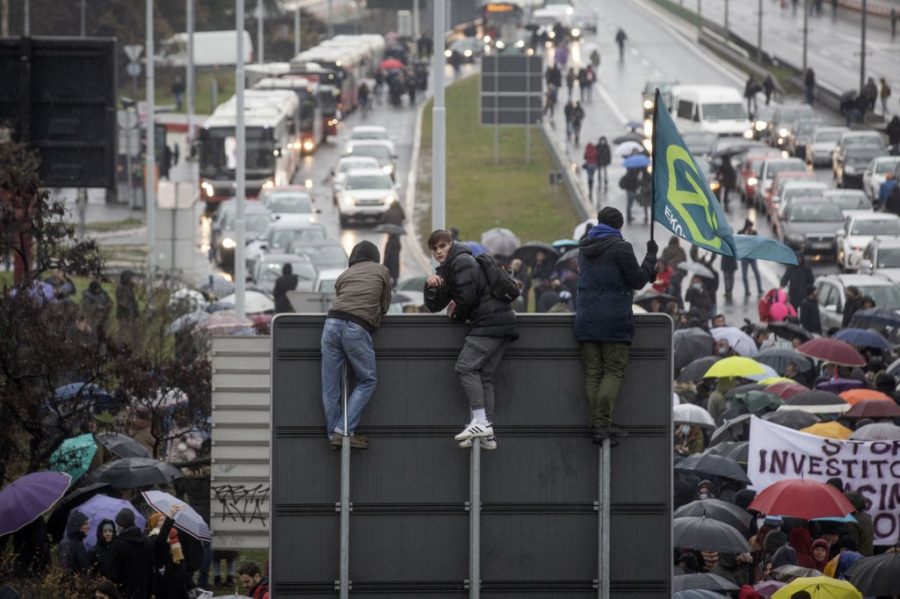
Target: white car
{"type": "Point", "coordinates": [372, 132]}
{"type": "Point", "coordinates": [290, 203]}
{"type": "Point", "coordinates": [345, 164]}
{"type": "Point", "coordinates": [858, 231]}
{"type": "Point", "coordinates": [799, 189]}
{"type": "Point", "coordinates": [874, 175]}
{"type": "Point", "coordinates": [326, 279]}
{"type": "Point", "coordinates": [366, 195]}
{"type": "Point", "coordinates": [850, 201]}
{"type": "Point", "coordinates": [279, 236]}
{"type": "Point", "coordinates": [824, 140]}
{"type": "Point", "coordinates": [882, 256]}
{"type": "Point", "coordinates": [380, 150]}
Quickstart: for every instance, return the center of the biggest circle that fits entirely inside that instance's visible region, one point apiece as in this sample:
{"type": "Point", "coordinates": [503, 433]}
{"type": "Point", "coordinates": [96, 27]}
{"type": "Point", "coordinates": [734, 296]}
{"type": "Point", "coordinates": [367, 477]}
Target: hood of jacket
{"type": "Point", "coordinates": [132, 535]}
{"type": "Point", "coordinates": [103, 523]}
{"type": "Point", "coordinates": [74, 523]}
{"type": "Point", "coordinates": [456, 250]}
{"type": "Point", "coordinates": [599, 239]}
{"type": "Point", "coordinates": [365, 251]}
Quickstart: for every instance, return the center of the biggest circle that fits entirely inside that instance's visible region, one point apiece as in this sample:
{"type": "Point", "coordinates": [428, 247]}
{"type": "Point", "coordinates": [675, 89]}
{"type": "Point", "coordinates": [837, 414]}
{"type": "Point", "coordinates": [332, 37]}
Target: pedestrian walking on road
{"type": "Point", "coordinates": [363, 297]}
{"type": "Point", "coordinates": [590, 167]}
{"type": "Point", "coordinates": [750, 229]}
{"type": "Point", "coordinates": [569, 114]}
{"type": "Point", "coordinates": [604, 158]}
{"type": "Point", "coordinates": [570, 81]}
{"type": "Point", "coordinates": [768, 88]}
{"type": "Point", "coordinates": [583, 83]}
{"type": "Point", "coordinates": [621, 38]}
{"type": "Point", "coordinates": [608, 272]}
{"type": "Point", "coordinates": [286, 282]}
{"type": "Point", "coordinates": [630, 183]}
{"type": "Point", "coordinates": [797, 278]}
{"type": "Point", "coordinates": [870, 91]}
{"type": "Point", "coordinates": [751, 88]}
{"type": "Point", "coordinates": [809, 312]}
{"type": "Point", "coordinates": [595, 59]}
{"type": "Point", "coordinates": [884, 93]}
{"type": "Point", "coordinates": [392, 257]}
{"type": "Point", "coordinates": [577, 118]}
{"type": "Point", "coordinates": [729, 267]}
{"type": "Point", "coordinates": [461, 285]}
{"type": "Point", "coordinates": [809, 84]}
{"type": "Point", "coordinates": [893, 133]}
{"type": "Point", "coordinates": [550, 101]}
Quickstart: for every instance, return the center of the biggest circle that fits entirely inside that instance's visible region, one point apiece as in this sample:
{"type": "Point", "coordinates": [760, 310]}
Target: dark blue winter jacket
{"type": "Point", "coordinates": [607, 274]}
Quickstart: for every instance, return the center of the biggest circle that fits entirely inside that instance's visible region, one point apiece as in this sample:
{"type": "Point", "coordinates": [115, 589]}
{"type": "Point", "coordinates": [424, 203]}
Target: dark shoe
{"type": "Point", "coordinates": [359, 442]}
{"type": "Point", "coordinates": [335, 440]}
{"type": "Point", "coordinates": [608, 429]}
{"type": "Point", "coordinates": [601, 435]}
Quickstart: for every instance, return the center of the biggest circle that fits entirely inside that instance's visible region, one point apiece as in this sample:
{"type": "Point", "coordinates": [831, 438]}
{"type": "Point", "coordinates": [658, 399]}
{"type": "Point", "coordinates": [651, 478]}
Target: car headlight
{"type": "Point", "coordinates": [849, 170]}
{"type": "Point", "coordinates": [500, 45]}
{"type": "Point", "coordinates": [269, 184]}
{"type": "Point", "coordinates": [760, 125]}
{"type": "Point", "coordinates": [784, 132]}
{"type": "Point", "coordinates": [448, 53]}
{"type": "Point", "coordinates": [796, 239]}
{"type": "Point", "coordinates": [648, 104]}
{"type": "Point", "coordinates": [208, 189]}
{"type": "Point", "coordinates": [752, 181]}
{"type": "Point", "coordinates": [347, 199]}
{"type": "Point", "coordinates": [576, 31]}
{"type": "Point", "coordinates": [487, 39]}
{"type": "Point", "coordinates": [551, 34]}
{"type": "Point", "coordinates": [467, 53]}
{"type": "Point", "coordinates": [391, 199]}
{"type": "Point", "coordinates": [714, 185]}
{"type": "Point", "coordinates": [748, 134]}
{"type": "Point", "coordinates": [387, 169]}
{"type": "Point", "coordinates": [520, 44]}
{"type": "Point", "coordinates": [309, 145]}
{"type": "Point", "coordinates": [228, 243]}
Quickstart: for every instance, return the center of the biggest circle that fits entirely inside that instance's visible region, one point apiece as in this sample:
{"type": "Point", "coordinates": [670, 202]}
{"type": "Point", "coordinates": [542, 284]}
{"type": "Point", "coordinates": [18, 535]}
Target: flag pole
{"type": "Point", "coordinates": [653, 165]}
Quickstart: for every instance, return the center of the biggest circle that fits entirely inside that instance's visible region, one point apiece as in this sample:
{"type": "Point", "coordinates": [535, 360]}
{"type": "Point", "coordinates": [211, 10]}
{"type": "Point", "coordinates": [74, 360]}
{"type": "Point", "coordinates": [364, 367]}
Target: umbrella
{"type": "Point", "coordinates": [817, 402]}
{"type": "Point", "coordinates": [390, 229]}
{"type": "Point", "coordinates": [716, 509]}
{"type": "Point", "coordinates": [103, 507]}
{"type": "Point", "coordinates": [688, 413]}
{"type": "Point", "coordinates": [74, 456]}
{"type": "Point", "coordinates": [788, 330]}
{"type": "Point", "coordinates": [695, 370]}
{"type": "Point", "coordinates": [731, 393]}
{"type": "Point", "coordinates": [854, 396]}
{"type": "Point", "coordinates": [477, 248]}
{"type": "Point", "coordinates": [786, 390]}
{"type": "Point", "coordinates": [773, 380]}
{"type": "Point", "coordinates": [832, 350]}
{"type": "Point", "coordinates": [95, 396]}
{"type": "Point", "coordinates": [697, 269]}
{"type": "Point", "coordinates": [186, 519]}
{"type": "Point", "coordinates": [734, 429]}
{"type": "Point", "coordinates": [224, 322]}
{"type": "Point", "coordinates": [706, 534]}
{"type": "Point", "coordinates": [873, 408]}
{"type": "Point", "coordinates": [819, 587]}
{"type": "Point", "coordinates": [25, 499]}
{"type": "Point", "coordinates": [839, 385]}
{"type": "Point", "coordinates": [877, 431]}
{"type": "Point", "coordinates": [735, 366]}
{"type": "Point", "coordinates": [627, 148]}
{"type": "Point", "coordinates": [863, 338]}
{"type": "Point", "coordinates": [767, 588]}
{"type": "Point", "coordinates": [690, 344]}
{"type": "Point", "coordinates": [56, 522]}
{"type": "Point", "coordinates": [829, 430]}
{"type": "Point", "coordinates": [801, 498]}
{"type": "Point", "coordinates": [704, 581]}
{"type": "Point", "coordinates": [794, 419]}
{"type": "Point", "coordinates": [187, 321]}
{"type": "Point", "coordinates": [755, 402]}
{"type": "Point", "coordinates": [187, 300]}
{"type": "Point", "coordinates": [734, 450]}
{"type": "Point", "coordinates": [637, 161]}
{"type": "Point", "coordinates": [123, 446]}
{"type": "Point", "coordinates": [129, 473]}
{"type": "Point", "coordinates": [789, 572]}
{"type": "Point", "coordinates": [876, 574]}
{"type": "Point", "coordinates": [713, 465]}
{"type": "Point", "coordinates": [391, 63]}
{"type": "Point", "coordinates": [564, 244]}
{"type": "Point", "coordinates": [527, 253]}
{"type": "Point", "coordinates": [780, 358]}
{"type": "Point", "coordinates": [571, 254]}
{"type": "Point", "coordinates": [698, 594]}
{"type": "Point", "coordinates": [583, 227]}
{"type": "Point", "coordinates": [645, 298]}
{"type": "Point", "coordinates": [499, 241]}
{"type": "Point", "coordinates": [879, 317]}
{"type": "Point", "coordinates": [217, 285]}
{"type": "Point", "coordinates": [255, 302]}
{"type": "Point", "coordinates": [630, 136]}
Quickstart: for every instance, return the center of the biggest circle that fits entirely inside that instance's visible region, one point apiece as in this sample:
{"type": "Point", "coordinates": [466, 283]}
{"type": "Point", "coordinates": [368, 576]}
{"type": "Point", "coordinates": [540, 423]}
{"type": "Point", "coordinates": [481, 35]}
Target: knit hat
{"type": "Point", "coordinates": [125, 518]}
{"type": "Point", "coordinates": [611, 217]}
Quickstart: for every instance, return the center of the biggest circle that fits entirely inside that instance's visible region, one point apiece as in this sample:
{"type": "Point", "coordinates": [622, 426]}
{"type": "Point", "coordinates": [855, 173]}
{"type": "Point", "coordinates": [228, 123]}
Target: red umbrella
{"type": "Point", "coordinates": [873, 408]}
{"type": "Point", "coordinates": [801, 498]}
{"type": "Point", "coordinates": [854, 396]}
{"type": "Point", "coordinates": [391, 63]}
{"type": "Point", "coordinates": [832, 350]}
{"type": "Point", "coordinates": [786, 390]}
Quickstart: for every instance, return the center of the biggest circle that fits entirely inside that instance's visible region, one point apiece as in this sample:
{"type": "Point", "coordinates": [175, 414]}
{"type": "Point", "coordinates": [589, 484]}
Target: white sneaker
{"type": "Point", "coordinates": [489, 443]}
{"type": "Point", "coordinates": [475, 429]}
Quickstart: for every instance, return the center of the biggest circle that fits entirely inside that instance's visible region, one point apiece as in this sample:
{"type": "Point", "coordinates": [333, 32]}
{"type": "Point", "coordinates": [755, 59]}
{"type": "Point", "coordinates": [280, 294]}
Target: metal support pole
{"type": "Point", "coordinates": [83, 18]}
{"type": "Point", "coordinates": [415, 16]}
{"type": "Point", "coordinates": [439, 121]}
{"type": "Point", "coordinates": [189, 78]}
{"type": "Point", "coordinates": [128, 166]}
{"type": "Point", "coordinates": [260, 25]}
{"type": "Point", "coordinates": [726, 16]}
{"type": "Point", "coordinates": [805, 32]}
{"type": "Point", "coordinates": [344, 591]}
{"type": "Point", "coordinates": [330, 19]}
{"type": "Point", "coordinates": [475, 521]}
{"type": "Point", "coordinates": [26, 27]}
{"type": "Point", "coordinates": [603, 525]}
{"type": "Point", "coordinates": [150, 158]}
{"type": "Point", "coordinates": [699, 15]}
{"type": "Point", "coordinates": [296, 31]}
{"type": "Point", "coordinates": [862, 52]}
{"type": "Point", "coordinates": [759, 33]}
{"type": "Point", "coordinates": [240, 154]}
{"type": "Point", "coordinates": [496, 110]}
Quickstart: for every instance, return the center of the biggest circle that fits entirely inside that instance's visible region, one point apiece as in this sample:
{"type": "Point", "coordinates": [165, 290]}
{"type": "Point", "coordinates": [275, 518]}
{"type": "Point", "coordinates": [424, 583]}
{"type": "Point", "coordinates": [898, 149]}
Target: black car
{"type": "Point", "coordinates": [810, 227]}
{"type": "Point", "coordinates": [856, 160]}
{"type": "Point", "coordinates": [223, 235]}
{"type": "Point", "coordinates": [649, 94]}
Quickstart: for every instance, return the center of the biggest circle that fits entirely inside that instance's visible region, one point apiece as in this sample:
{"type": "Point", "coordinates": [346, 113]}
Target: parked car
{"type": "Point", "coordinates": [268, 269]}
{"type": "Point", "coordinates": [223, 232]}
{"type": "Point", "coordinates": [832, 294]}
{"type": "Point", "coordinates": [762, 122]}
{"type": "Point", "coordinates": [649, 94]}
{"type": "Point", "coordinates": [469, 48]}
{"type": "Point", "coordinates": [798, 190]}
{"type": "Point", "coordinates": [823, 143]}
{"type": "Point", "coordinates": [372, 132]}
{"type": "Point", "coordinates": [326, 279]}
{"type": "Point", "coordinates": [850, 139]}
{"type": "Point", "coordinates": [882, 256]}
{"type": "Point", "coordinates": [770, 168]}
{"type": "Point", "coordinates": [801, 137]}
{"type": "Point", "coordinates": [850, 201]}
{"type": "Point", "coordinates": [344, 165]}
{"type": "Point", "coordinates": [749, 171]}
{"type": "Point", "coordinates": [875, 174]}
{"type": "Point", "coordinates": [278, 236]}
{"type": "Point", "coordinates": [380, 150]}
{"type": "Point", "coordinates": [322, 254]}
{"type": "Point", "coordinates": [858, 230]}
{"type": "Point", "coordinates": [809, 227]}
{"type": "Point", "coordinates": [291, 202]}
{"type": "Point", "coordinates": [784, 122]}
{"type": "Point", "coordinates": [366, 195]}
{"type": "Point", "coordinates": [773, 197]}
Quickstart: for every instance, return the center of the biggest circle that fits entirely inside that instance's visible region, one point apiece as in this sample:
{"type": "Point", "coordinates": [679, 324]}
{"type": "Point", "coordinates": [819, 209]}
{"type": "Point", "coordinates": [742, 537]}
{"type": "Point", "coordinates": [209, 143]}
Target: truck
{"type": "Point", "coordinates": [211, 48]}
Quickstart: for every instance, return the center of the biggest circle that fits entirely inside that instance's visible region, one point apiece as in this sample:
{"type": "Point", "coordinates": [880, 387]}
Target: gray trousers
{"type": "Point", "coordinates": [475, 366]}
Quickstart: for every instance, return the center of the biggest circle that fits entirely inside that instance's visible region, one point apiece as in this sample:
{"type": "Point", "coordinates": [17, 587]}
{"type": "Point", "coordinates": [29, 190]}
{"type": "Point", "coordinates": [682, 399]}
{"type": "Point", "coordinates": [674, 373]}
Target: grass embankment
{"type": "Point", "coordinates": [480, 194]}
{"type": "Point", "coordinates": [203, 100]}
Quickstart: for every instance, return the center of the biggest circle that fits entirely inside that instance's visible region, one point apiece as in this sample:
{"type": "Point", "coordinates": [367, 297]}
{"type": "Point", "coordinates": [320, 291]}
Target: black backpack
{"type": "Point", "coordinates": [502, 284]}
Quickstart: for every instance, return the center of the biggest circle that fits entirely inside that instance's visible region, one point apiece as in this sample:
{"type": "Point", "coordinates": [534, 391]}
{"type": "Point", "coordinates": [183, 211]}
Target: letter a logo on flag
{"type": "Point", "coordinates": [684, 204]}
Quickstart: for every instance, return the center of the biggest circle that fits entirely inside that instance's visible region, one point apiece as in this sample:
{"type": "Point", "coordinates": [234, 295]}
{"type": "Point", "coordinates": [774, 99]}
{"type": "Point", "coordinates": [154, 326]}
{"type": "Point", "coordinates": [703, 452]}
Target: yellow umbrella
{"type": "Point", "coordinates": [772, 380]}
{"type": "Point", "coordinates": [738, 366]}
{"type": "Point", "coordinates": [830, 430]}
{"type": "Point", "coordinates": [819, 587]}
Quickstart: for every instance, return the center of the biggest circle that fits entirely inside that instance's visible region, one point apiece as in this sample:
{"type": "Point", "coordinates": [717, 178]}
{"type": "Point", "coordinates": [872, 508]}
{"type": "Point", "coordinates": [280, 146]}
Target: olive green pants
{"type": "Point", "coordinates": [604, 365]}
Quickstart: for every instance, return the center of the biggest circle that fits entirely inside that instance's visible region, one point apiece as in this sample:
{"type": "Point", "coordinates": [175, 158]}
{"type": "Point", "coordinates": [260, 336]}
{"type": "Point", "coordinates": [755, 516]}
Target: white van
{"type": "Point", "coordinates": [714, 108]}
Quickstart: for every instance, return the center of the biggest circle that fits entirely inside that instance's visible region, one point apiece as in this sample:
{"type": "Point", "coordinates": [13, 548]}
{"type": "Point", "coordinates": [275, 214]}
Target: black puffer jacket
{"type": "Point", "coordinates": [132, 563]}
{"type": "Point", "coordinates": [466, 284]}
{"type": "Point", "coordinates": [72, 555]}
{"type": "Point", "coordinates": [101, 554]}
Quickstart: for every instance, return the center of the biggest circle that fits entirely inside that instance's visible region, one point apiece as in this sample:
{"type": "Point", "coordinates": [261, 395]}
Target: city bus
{"type": "Point", "coordinates": [311, 126]}
{"type": "Point", "coordinates": [498, 17]}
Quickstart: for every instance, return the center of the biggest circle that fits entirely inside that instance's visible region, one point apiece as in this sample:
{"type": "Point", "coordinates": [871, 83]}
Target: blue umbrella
{"type": "Point", "coordinates": [98, 397]}
{"type": "Point", "coordinates": [863, 338]}
{"type": "Point", "coordinates": [637, 161]}
{"type": "Point", "coordinates": [477, 248]}
{"type": "Point", "coordinates": [103, 507]}
{"type": "Point", "coordinates": [634, 125]}
{"type": "Point", "coordinates": [74, 455]}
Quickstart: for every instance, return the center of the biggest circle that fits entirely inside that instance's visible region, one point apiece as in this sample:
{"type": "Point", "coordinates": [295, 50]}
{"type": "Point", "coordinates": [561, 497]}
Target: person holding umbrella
{"type": "Point", "coordinates": [170, 579]}
{"type": "Point", "coordinates": [131, 557]}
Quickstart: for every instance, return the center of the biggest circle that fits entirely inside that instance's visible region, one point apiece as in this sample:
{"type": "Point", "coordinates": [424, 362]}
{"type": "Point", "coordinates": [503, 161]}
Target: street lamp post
{"type": "Point", "coordinates": [805, 31]}
{"type": "Point", "coordinates": [240, 153]}
{"type": "Point", "coordinates": [759, 33]}
{"type": "Point", "coordinates": [260, 25]}
{"type": "Point", "coordinates": [330, 19]}
{"type": "Point", "coordinates": [150, 158]}
{"type": "Point", "coordinates": [189, 79]}
{"type": "Point", "coordinates": [297, 30]}
{"type": "Point", "coordinates": [862, 51]}
{"type": "Point", "coordinates": [726, 16]}
{"type": "Point", "coordinates": [439, 121]}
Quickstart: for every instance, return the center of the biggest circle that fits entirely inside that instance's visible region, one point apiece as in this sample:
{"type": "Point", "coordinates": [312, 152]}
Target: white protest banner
{"type": "Point", "coordinates": [871, 468]}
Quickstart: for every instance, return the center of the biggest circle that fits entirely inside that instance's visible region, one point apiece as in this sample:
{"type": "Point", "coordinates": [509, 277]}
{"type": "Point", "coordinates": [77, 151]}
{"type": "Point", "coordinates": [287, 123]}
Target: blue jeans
{"type": "Point", "coordinates": [751, 264]}
{"type": "Point", "coordinates": [342, 341]}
